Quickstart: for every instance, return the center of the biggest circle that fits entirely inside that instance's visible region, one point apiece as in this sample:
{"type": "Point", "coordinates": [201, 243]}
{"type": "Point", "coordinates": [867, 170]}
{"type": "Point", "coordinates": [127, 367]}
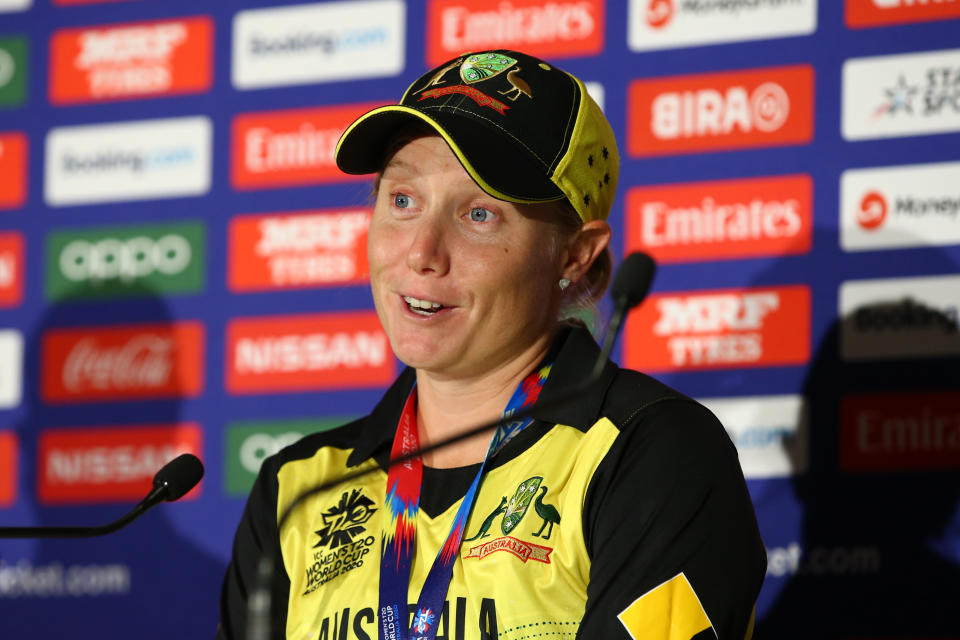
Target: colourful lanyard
{"type": "Point", "coordinates": [400, 521]}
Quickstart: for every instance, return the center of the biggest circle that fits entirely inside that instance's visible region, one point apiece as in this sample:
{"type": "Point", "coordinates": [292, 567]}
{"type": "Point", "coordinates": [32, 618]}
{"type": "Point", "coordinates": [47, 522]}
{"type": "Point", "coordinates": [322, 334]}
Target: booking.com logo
{"type": "Point", "coordinates": [132, 161]}
{"type": "Point", "coordinates": [328, 43]}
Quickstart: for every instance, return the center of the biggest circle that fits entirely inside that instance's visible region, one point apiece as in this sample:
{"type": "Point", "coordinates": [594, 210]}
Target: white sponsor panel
{"type": "Point", "coordinates": [137, 160]}
{"type": "Point", "coordinates": [900, 317]}
{"type": "Point", "coordinates": [903, 206]}
{"type": "Point", "coordinates": [770, 433]}
{"type": "Point", "coordinates": [596, 91]}
{"type": "Point", "coordinates": [901, 95]}
{"type": "Point", "coordinates": [11, 368]}
{"type": "Point", "coordinates": [318, 43]}
{"type": "Point", "coordinates": [14, 5]}
{"type": "Point", "coordinates": [664, 24]}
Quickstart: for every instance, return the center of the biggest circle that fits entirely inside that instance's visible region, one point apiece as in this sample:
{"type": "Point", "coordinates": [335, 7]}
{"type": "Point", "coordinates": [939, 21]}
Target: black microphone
{"type": "Point", "coordinates": [175, 479]}
{"type": "Point", "coordinates": [629, 288]}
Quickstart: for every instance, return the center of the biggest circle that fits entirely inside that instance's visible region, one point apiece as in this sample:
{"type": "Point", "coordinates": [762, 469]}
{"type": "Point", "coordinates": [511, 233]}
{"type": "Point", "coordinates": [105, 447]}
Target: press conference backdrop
{"type": "Point", "coordinates": [182, 268]}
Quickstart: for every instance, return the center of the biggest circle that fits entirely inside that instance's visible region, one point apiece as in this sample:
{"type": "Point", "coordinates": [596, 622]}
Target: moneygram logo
{"type": "Point", "coordinates": [11, 368]}
{"type": "Point", "coordinates": [134, 60]}
{"type": "Point", "coordinates": [717, 111]}
{"type": "Point", "coordinates": [249, 443]}
{"type": "Point", "coordinates": [726, 219]}
{"type": "Point", "coordinates": [662, 24]}
{"type": "Point", "coordinates": [283, 148]}
{"type": "Point", "coordinates": [9, 457]}
{"type": "Point", "coordinates": [137, 160]}
{"type": "Point", "coordinates": [13, 71]}
{"type": "Point", "coordinates": [875, 13]}
{"type": "Point", "coordinates": [902, 206]}
{"type": "Point", "coordinates": [900, 318]}
{"type": "Point", "coordinates": [752, 327]}
{"type": "Point", "coordinates": [109, 464]}
{"type": "Point", "coordinates": [298, 250]}
{"type": "Point", "coordinates": [13, 170]}
{"type": "Point", "coordinates": [128, 260]}
{"type": "Point", "coordinates": [131, 362]}
{"type": "Point", "coordinates": [305, 352]}
{"type": "Point", "coordinates": [768, 431]}
{"type": "Point", "coordinates": [900, 431]}
{"type": "Point", "coordinates": [318, 43]}
{"type": "Point", "coordinates": [11, 269]}
{"type": "Point", "coordinates": [549, 29]}
{"type": "Point", "coordinates": [901, 95]}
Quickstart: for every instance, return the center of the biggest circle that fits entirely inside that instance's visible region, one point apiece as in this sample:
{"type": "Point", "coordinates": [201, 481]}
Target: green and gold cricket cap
{"type": "Point", "coordinates": [523, 129]}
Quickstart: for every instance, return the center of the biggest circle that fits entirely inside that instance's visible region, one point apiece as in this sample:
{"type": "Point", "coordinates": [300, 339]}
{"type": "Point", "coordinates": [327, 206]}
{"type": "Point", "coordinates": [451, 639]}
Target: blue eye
{"type": "Point", "coordinates": [479, 214]}
{"type": "Point", "coordinates": [401, 201]}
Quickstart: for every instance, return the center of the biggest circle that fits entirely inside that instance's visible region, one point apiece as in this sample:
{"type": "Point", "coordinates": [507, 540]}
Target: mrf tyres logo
{"type": "Point", "coordinates": [128, 260]}
{"type": "Point", "coordinates": [13, 71]}
{"type": "Point", "coordinates": [341, 546]}
{"type": "Point", "coordinates": [715, 111]}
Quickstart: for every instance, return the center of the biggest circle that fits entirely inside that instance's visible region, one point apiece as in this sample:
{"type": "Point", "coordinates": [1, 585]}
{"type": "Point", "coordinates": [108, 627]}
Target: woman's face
{"type": "Point", "coordinates": [463, 282]}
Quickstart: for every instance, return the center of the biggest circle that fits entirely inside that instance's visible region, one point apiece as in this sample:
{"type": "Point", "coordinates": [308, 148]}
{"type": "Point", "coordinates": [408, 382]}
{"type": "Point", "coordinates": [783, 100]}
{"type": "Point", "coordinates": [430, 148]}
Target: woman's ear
{"type": "Point", "coordinates": [584, 247]}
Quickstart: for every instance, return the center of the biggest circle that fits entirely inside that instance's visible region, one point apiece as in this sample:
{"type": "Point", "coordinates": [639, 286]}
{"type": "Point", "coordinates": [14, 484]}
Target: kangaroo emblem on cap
{"type": "Point", "coordinates": [437, 78]}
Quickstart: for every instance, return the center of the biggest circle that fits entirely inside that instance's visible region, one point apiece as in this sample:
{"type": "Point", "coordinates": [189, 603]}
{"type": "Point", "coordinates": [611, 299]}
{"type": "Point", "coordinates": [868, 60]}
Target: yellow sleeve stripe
{"type": "Point", "coordinates": [670, 611]}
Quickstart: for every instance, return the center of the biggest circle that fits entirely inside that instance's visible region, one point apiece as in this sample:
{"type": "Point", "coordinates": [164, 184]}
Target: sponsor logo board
{"type": "Point", "coordinates": [901, 95]}
{"type": "Point", "coordinates": [769, 432]}
{"type": "Point", "coordinates": [13, 169]}
{"type": "Point", "coordinates": [138, 160]}
{"type": "Point", "coordinates": [128, 260]}
{"type": "Point", "coordinates": [664, 24]}
{"type": "Point", "coordinates": [11, 269]}
{"type": "Point", "coordinates": [875, 13]}
{"type": "Point", "coordinates": [547, 29]}
{"type": "Point", "coordinates": [896, 207]}
{"type": "Point", "coordinates": [303, 352]}
{"type": "Point", "coordinates": [900, 318]}
{"type": "Point", "coordinates": [250, 442]}
{"type": "Point", "coordinates": [132, 60]}
{"type": "Point", "coordinates": [725, 219]}
{"type": "Point", "coordinates": [123, 363]}
{"type": "Point", "coordinates": [72, 2]}
{"type": "Point", "coordinates": [9, 457]}
{"type": "Point", "coordinates": [13, 70]}
{"type": "Point", "coordinates": [315, 248]}
{"type": "Point", "coordinates": [326, 42]}
{"type": "Point", "coordinates": [109, 464]}
{"type": "Point", "coordinates": [291, 147]}
{"type": "Point", "coordinates": [722, 328]}
{"type": "Point", "coordinates": [14, 5]}
{"type": "Point", "coordinates": [720, 111]}
{"type": "Point", "coordinates": [900, 431]}
{"type": "Point", "coordinates": [11, 368]}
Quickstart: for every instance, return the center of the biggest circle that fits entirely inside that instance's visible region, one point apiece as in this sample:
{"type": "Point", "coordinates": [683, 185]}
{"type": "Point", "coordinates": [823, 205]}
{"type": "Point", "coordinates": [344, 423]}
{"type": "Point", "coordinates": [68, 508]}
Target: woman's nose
{"type": "Point", "coordinates": [428, 252]}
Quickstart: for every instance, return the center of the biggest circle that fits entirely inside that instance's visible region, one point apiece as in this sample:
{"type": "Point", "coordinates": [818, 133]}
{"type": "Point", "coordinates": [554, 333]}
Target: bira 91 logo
{"type": "Point", "coordinates": [11, 269]}
{"type": "Point", "coordinates": [13, 170]}
{"type": "Point", "coordinates": [900, 431]}
{"type": "Point", "coordinates": [876, 13]}
{"type": "Point", "coordinates": [720, 111]}
{"type": "Point", "coordinates": [751, 327]}
{"type": "Point", "coordinates": [309, 249]}
{"type": "Point", "coordinates": [285, 148]}
{"type": "Point", "coordinates": [121, 363]}
{"type": "Point", "coordinates": [126, 261]}
{"type": "Point", "coordinates": [306, 352]}
{"type": "Point", "coordinates": [9, 457]}
{"type": "Point", "coordinates": [721, 220]}
{"type": "Point", "coordinates": [134, 60]}
{"type": "Point", "coordinates": [553, 29]}
{"type": "Point", "coordinates": [109, 464]}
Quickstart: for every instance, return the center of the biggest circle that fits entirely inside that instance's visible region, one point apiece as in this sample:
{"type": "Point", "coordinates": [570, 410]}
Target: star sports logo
{"type": "Point", "coordinates": [898, 98]}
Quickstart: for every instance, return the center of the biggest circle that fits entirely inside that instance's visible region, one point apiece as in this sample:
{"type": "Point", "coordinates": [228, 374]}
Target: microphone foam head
{"type": "Point", "coordinates": [179, 476]}
{"type": "Point", "coordinates": [633, 279]}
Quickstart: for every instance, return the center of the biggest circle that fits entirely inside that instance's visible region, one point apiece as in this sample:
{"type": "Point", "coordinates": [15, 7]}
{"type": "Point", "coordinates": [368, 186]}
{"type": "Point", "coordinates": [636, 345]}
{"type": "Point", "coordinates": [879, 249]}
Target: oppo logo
{"type": "Point", "coordinates": [260, 446]}
{"type": "Point", "coordinates": [125, 260]}
{"type": "Point", "coordinates": [872, 211]}
{"type": "Point", "coordinates": [659, 13]}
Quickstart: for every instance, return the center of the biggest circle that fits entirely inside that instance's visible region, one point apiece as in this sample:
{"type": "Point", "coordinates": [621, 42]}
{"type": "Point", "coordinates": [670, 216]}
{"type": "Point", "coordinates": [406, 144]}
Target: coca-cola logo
{"type": "Point", "coordinates": [144, 361]}
{"type": "Point", "coordinates": [872, 211]}
{"type": "Point", "coordinates": [659, 13]}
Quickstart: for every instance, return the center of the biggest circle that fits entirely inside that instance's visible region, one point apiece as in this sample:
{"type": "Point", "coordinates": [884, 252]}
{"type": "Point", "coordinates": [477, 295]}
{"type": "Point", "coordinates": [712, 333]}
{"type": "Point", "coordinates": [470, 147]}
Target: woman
{"type": "Point", "coordinates": [620, 513]}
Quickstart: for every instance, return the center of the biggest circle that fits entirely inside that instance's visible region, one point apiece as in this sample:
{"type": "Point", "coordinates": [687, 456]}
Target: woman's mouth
{"type": "Point", "coordinates": [422, 307]}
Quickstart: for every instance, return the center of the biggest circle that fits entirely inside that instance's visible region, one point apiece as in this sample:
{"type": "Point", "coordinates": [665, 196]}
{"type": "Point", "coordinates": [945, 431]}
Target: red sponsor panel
{"type": "Point", "coordinates": [132, 60]}
{"type": "Point", "coordinates": [720, 329]}
{"type": "Point", "coordinates": [306, 352]}
{"type": "Point", "coordinates": [726, 219]}
{"type": "Point", "coordinates": [8, 468]}
{"type": "Point", "coordinates": [543, 28]}
{"type": "Point", "coordinates": [110, 464]}
{"type": "Point", "coordinates": [13, 169]}
{"type": "Point", "coordinates": [121, 363]}
{"type": "Point", "coordinates": [11, 269]}
{"type": "Point", "coordinates": [304, 249]}
{"type": "Point", "coordinates": [291, 147]}
{"type": "Point", "coordinates": [900, 431]}
{"type": "Point", "coordinates": [720, 111]}
{"type": "Point", "coordinates": [875, 13]}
